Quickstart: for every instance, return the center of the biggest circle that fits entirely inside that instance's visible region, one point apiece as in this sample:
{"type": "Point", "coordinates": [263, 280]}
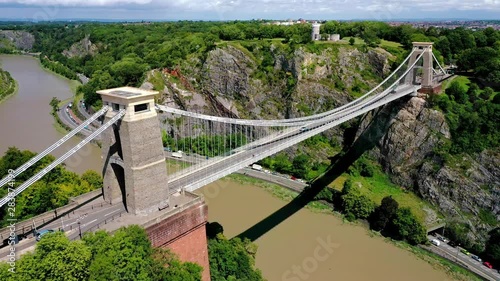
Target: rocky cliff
{"type": "Point", "coordinates": [20, 39]}
{"type": "Point", "coordinates": [81, 48]}
{"type": "Point", "coordinates": [234, 81]}
{"type": "Point", "coordinates": [464, 188]}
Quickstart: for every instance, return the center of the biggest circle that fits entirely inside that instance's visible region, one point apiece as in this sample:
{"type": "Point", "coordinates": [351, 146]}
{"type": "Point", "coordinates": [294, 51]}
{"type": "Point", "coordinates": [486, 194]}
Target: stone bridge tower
{"type": "Point", "coordinates": [427, 74]}
{"type": "Point", "coordinates": [134, 167]}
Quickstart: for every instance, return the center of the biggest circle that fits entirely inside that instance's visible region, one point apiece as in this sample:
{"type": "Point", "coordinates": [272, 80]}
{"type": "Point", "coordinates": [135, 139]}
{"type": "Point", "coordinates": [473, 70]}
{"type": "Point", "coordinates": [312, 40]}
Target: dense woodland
{"type": "Point", "coordinates": [50, 192]}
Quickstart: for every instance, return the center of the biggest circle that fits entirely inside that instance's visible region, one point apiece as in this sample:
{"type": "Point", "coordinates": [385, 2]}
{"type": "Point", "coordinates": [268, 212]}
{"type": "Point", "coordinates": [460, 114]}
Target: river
{"type": "Point", "coordinates": [295, 249]}
{"type": "Point", "coordinates": [305, 246]}
{"type": "Point", "coordinates": [25, 120]}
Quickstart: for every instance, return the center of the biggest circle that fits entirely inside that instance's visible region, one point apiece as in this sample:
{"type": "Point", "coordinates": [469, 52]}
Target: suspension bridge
{"type": "Point", "coordinates": [134, 167]}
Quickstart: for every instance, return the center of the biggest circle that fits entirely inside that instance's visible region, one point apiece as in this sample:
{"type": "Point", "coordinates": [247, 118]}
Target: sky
{"type": "Point", "coordinates": [386, 10]}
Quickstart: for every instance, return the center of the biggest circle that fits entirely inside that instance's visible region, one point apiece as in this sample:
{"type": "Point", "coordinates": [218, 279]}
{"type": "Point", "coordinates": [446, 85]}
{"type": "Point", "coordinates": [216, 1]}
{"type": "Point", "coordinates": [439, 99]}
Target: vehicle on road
{"type": "Point", "coordinates": [452, 244]}
{"type": "Point", "coordinates": [488, 265]}
{"type": "Point", "coordinates": [476, 258]}
{"type": "Point", "coordinates": [303, 129]}
{"type": "Point", "coordinates": [257, 167]}
{"type": "Point", "coordinates": [444, 239]}
{"type": "Point", "coordinates": [465, 252]}
{"type": "Point", "coordinates": [42, 233]}
{"type": "Point", "coordinates": [177, 154]}
{"type": "Point", "coordinates": [435, 242]}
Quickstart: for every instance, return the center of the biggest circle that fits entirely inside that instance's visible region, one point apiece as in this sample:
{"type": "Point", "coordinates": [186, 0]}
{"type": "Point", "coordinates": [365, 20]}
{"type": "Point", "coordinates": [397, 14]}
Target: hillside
{"type": "Point", "coordinates": [253, 70]}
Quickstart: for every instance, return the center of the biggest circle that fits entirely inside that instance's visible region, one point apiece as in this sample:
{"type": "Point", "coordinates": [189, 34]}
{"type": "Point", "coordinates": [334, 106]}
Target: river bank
{"type": "Point", "coordinates": [8, 85]}
{"type": "Point", "coordinates": [452, 270]}
{"type": "Point", "coordinates": [25, 117]}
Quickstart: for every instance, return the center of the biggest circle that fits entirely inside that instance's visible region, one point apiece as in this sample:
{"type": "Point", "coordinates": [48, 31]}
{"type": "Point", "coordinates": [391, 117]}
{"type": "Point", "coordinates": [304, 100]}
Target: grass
{"type": "Point", "coordinates": [174, 166]}
{"type": "Point", "coordinates": [389, 44]}
{"type": "Point", "coordinates": [380, 186]}
{"type": "Point", "coordinates": [357, 40]}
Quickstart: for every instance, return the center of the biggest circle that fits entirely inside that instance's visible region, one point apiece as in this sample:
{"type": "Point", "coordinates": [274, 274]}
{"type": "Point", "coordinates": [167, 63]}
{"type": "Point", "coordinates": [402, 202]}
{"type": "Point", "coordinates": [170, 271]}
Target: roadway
{"type": "Point", "coordinates": [87, 216]}
{"type": "Point", "coordinates": [455, 255]}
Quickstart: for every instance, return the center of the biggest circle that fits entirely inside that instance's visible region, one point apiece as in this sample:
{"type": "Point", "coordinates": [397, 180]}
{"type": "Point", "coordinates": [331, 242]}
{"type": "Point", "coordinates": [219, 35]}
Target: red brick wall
{"type": "Point", "coordinates": [184, 233]}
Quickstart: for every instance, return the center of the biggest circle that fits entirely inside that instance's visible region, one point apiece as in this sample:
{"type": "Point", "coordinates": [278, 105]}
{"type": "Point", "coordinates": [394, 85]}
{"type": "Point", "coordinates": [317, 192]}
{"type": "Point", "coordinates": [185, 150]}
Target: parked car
{"type": "Point", "coordinates": [487, 264]}
{"type": "Point", "coordinates": [42, 233]}
{"type": "Point", "coordinates": [476, 258]}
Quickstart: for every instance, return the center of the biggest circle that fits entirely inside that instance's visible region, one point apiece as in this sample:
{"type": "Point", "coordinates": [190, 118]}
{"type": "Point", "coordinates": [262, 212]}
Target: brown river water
{"type": "Point", "coordinates": [25, 120]}
{"type": "Point", "coordinates": [305, 246]}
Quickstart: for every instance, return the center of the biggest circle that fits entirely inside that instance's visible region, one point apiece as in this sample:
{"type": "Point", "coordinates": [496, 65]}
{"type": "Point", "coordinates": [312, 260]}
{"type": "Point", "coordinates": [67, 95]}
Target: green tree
{"type": "Point", "coordinates": [384, 213]}
{"type": "Point", "coordinates": [232, 259]}
{"type": "Point", "coordinates": [54, 103]}
{"type": "Point", "coordinates": [356, 205]}
{"type": "Point", "coordinates": [351, 41]}
{"type": "Point", "coordinates": [458, 92]}
{"type": "Point", "coordinates": [300, 165]}
{"type": "Point", "coordinates": [55, 258]}
{"type": "Point", "coordinates": [405, 226]}
{"type": "Point", "coordinates": [492, 250]}
{"type": "Point", "coordinates": [487, 93]}
{"type": "Point", "coordinates": [93, 178]}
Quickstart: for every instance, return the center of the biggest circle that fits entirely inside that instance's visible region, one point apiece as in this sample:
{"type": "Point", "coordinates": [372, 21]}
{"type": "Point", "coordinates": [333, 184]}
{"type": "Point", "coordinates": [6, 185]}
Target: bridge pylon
{"type": "Point", "coordinates": [426, 79]}
{"type": "Point", "coordinates": [134, 169]}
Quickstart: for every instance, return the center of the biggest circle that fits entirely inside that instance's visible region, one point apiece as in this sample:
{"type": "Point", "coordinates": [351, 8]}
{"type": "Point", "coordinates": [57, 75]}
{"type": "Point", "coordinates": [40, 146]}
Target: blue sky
{"type": "Point", "coordinates": [37, 10]}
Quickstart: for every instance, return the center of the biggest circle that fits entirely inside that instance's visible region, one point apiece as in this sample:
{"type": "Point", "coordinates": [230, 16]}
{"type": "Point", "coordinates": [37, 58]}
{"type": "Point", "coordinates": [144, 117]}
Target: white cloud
{"type": "Point", "coordinates": [74, 2]}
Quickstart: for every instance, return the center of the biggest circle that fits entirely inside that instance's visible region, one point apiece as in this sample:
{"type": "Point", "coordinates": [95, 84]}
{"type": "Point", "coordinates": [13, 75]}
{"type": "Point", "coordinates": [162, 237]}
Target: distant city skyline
{"type": "Point", "coordinates": [157, 10]}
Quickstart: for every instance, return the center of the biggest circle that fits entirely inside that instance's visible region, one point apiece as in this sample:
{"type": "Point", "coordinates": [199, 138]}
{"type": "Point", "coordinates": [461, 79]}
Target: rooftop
{"type": "Point", "coordinates": [127, 92]}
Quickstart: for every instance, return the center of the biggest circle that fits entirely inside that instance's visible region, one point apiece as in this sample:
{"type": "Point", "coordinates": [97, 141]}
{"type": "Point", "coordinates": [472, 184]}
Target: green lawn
{"type": "Point", "coordinates": [380, 186]}
{"type": "Point", "coordinates": [390, 44]}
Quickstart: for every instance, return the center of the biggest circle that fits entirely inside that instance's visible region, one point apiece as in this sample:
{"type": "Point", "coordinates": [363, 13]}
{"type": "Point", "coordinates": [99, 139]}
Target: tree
{"type": "Point", "coordinates": [356, 205]}
{"type": "Point", "coordinates": [54, 102]}
{"type": "Point", "coordinates": [93, 178]}
{"type": "Point", "coordinates": [232, 259]}
{"type": "Point", "coordinates": [351, 41]}
{"type": "Point", "coordinates": [492, 251]}
{"type": "Point", "coordinates": [487, 93]}
{"type": "Point", "coordinates": [300, 165]}
{"type": "Point", "coordinates": [55, 258]}
{"type": "Point", "coordinates": [457, 92]}
{"type": "Point", "coordinates": [405, 226]}
{"type": "Point", "coordinates": [384, 213]}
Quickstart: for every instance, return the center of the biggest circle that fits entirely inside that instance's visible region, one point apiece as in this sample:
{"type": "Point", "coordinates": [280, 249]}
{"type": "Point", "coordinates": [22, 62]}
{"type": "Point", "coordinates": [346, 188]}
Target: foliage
{"type": "Point", "coordinates": [405, 226]}
{"type": "Point", "coordinates": [7, 84]}
{"type": "Point", "coordinates": [473, 119]}
{"type": "Point", "coordinates": [384, 213]}
{"type": "Point", "coordinates": [492, 251]}
{"type": "Point", "coordinates": [206, 145]}
{"type": "Point", "coordinates": [232, 259]}
{"type": "Point", "coordinates": [354, 204]}
{"type": "Point", "coordinates": [50, 192]}
{"type": "Point", "coordinates": [127, 255]}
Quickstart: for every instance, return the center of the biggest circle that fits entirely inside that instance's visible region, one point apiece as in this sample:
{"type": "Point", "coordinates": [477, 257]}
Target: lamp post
{"type": "Point", "coordinates": [80, 230]}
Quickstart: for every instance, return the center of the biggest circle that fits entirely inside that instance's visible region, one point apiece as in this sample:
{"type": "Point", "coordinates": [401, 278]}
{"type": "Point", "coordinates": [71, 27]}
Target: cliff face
{"type": "Point", "coordinates": [406, 132]}
{"type": "Point", "coordinates": [20, 39]}
{"type": "Point", "coordinates": [80, 49]}
{"type": "Point", "coordinates": [462, 187]}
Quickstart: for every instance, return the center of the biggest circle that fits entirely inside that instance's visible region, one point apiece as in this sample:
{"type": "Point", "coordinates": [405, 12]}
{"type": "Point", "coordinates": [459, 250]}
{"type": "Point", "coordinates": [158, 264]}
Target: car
{"type": "Point", "coordinates": [488, 265]}
{"type": "Point", "coordinates": [444, 239]}
{"type": "Point", "coordinates": [452, 244]}
{"type": "Point", "coordinates": [476, 258]}
{"type": "Point", "coordinates": [303, 129]}
{"type": "Point", "coordinates": [465, 252]}
{"type": "Point", "coordinates": [42, 233]}
{"type": "Point", "coordinates": [435, 242]}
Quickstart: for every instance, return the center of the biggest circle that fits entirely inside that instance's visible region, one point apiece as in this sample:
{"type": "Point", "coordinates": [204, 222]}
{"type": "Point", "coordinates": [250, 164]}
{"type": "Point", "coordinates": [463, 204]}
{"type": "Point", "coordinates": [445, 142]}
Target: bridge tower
{"type": "Point", "coordinates": [427, 80]}
{"type": "Point", "coordinates": [134, 169]}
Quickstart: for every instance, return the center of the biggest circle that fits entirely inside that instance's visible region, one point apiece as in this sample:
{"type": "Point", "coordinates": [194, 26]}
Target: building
{"type": "Point", "coordinates": [315, 32]}
{"type": "Point", "coordinates": [334, 37]}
